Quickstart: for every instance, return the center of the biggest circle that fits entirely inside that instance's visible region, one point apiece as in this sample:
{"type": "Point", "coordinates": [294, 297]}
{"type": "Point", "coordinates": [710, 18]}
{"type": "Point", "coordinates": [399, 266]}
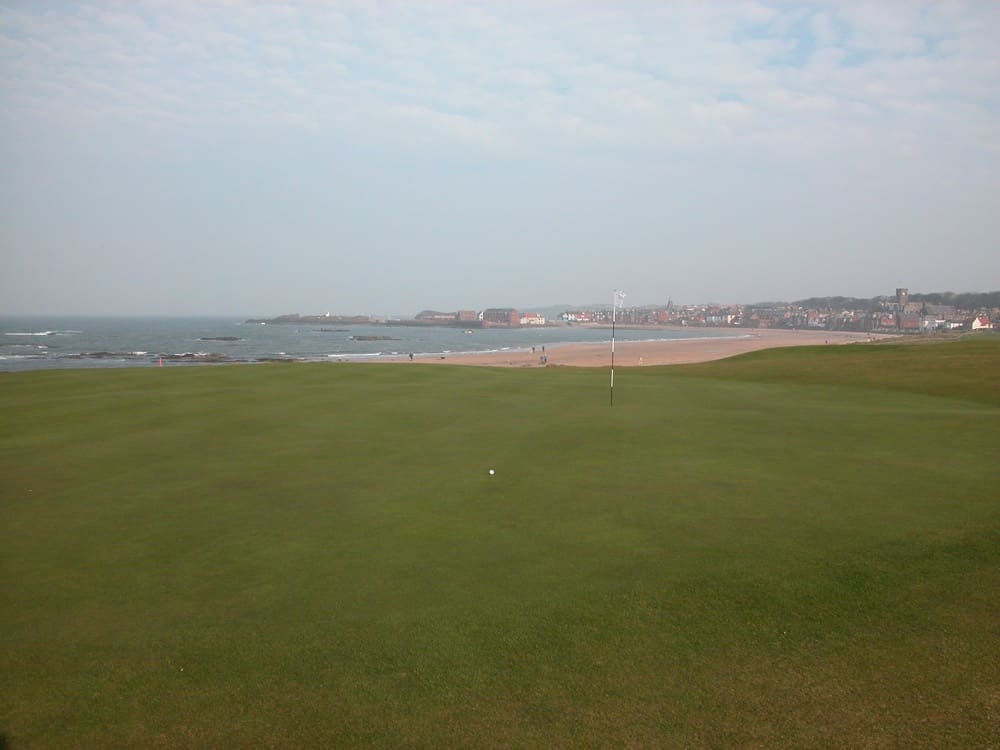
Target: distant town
{"type": "Point", "coordinates": [901, 313]}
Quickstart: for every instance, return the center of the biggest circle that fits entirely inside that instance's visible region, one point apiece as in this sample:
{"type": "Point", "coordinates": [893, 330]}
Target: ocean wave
{"type": "Point", "coordinates": [139, 356]}
{"type": "Point", "coordinates": [99, 355]}
{"type": "Point", "coordinates": [40, 333]}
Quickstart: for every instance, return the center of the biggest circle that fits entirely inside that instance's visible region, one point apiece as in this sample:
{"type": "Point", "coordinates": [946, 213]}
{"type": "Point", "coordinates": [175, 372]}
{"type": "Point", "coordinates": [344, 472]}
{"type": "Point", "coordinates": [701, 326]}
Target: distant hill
{"type": "Point", "coordinates": [963, 300]}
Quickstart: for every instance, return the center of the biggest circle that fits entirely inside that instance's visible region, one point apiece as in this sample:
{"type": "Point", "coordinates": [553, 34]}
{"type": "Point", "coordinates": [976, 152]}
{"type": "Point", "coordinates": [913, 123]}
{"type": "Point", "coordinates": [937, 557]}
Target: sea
{"type": "Point", "coordinates": [46, 343]}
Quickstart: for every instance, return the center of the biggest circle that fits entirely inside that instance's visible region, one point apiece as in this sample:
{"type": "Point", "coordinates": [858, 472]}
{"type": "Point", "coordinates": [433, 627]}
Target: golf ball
{"type": "Point", "coordinates": [492, 472]}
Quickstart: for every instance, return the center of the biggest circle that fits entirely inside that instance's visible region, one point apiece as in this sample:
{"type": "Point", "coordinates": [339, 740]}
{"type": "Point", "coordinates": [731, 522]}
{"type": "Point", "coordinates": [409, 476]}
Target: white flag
{"type": "Point", "coordinates": [619, 298]}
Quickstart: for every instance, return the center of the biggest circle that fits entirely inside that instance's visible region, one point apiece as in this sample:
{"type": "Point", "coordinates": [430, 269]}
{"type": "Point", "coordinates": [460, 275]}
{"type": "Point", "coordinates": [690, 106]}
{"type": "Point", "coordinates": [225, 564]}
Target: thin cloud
{"type": "Point", "coordinates": [596, 66]}
{"type": "Point", "coordinates": [635, 120]}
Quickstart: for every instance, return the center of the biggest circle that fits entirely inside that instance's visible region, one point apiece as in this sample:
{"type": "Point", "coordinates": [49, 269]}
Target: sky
{"type": "Point", "coordinates": [259, 158]}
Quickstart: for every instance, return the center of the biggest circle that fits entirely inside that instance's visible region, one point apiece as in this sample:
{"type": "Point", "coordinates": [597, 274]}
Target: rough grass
{"type": "Point", "coordinates": [793, 548]}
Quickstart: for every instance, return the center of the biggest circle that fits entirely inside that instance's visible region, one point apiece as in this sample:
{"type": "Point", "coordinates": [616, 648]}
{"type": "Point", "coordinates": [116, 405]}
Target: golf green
{"type": "Point", "coordinates": [793, 548]}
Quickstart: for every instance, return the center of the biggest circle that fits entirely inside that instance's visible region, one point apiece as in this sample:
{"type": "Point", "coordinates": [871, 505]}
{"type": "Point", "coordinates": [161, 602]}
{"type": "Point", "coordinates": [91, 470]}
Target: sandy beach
{"type": "Point", "coordinates": [648, 353]}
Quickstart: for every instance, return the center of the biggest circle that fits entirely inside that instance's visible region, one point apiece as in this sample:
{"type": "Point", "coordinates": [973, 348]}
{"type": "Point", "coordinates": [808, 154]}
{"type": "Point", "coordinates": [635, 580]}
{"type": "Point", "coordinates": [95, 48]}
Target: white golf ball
{"type": "Point", "coordinates": [492, 472]}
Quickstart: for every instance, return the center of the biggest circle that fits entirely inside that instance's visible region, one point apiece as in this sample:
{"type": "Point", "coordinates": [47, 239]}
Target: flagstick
{"type": "Point", "coordinates": [614, 306]}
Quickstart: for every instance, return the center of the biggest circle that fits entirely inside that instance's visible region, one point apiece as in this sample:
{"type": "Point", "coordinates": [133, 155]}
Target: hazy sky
{"type": "Point", "coordinates": [255, 158]}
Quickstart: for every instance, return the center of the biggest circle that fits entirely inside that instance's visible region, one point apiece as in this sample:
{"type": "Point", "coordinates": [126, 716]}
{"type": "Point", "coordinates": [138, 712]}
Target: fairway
{"type": "Point", "coordinates": [793, 548]}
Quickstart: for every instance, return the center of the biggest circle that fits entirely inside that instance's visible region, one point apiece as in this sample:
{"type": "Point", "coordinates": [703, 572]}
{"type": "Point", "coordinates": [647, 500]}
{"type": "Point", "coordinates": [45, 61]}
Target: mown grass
{"type": "Point", "coordinates": [966, 367]}
{"type": "Point", "coordinates": [796, 548]}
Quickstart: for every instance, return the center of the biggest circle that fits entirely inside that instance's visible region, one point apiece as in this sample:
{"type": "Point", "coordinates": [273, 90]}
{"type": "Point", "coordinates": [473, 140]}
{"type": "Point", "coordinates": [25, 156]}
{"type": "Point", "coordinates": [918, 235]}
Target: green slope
{"type": "Point", "coordinates": [966, 368]}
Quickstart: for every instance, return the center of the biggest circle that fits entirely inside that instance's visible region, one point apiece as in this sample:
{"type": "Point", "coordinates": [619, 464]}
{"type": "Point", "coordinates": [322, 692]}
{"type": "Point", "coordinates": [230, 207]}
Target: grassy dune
{"type": "Point", "coordinates": [794, 548]}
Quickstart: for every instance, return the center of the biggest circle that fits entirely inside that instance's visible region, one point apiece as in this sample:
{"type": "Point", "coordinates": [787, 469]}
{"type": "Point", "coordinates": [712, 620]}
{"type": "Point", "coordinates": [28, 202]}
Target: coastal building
{"type": "Point", "coordinates": [532, 319]}
{"type": "Point", "coordinates": [909, 322]}
{"type": "Point", "coordinates": [885, 322]}
{"type": "Point", "coordinates": [942, 311]}
{"type": "Point", "coordinates": [930, 323]}
{"type": "Point", "coordinates": [577, 316]}
{"type": "Point", "coordinates": [433, 316]}
{"type": "Point", "coordinates": [719, 318]}
{"type": "Point", "coordinates": [501, 317]}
